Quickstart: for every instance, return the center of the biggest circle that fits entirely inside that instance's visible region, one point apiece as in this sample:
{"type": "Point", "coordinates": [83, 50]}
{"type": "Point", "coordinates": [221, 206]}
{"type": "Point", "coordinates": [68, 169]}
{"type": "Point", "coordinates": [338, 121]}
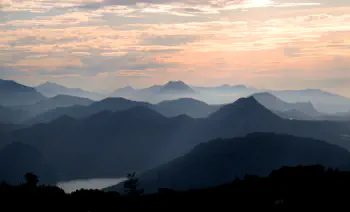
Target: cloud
{"type": "Point", "coordinates": [219, 39]}
{"type": "Point", "coordinates": [73, 18]}
{"type": "Point", "coordinates": [113, 54]}
{"type": "Point", "coordinates": [124, 7]}
{"type": "Point", "coordinates": [291, 52]}
{"type": "Point", "coordinates": [123, 73]}
{"type": "Point", "coordinates": [82, 53]}
{"type": "Point", "coordinates": [47, 63]}
{"type": "Point", "coordinates": [169, 40]}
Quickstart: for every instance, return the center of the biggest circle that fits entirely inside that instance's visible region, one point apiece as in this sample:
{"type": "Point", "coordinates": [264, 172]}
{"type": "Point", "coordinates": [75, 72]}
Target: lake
{"type": "Point", "coordinates": [71, 186]}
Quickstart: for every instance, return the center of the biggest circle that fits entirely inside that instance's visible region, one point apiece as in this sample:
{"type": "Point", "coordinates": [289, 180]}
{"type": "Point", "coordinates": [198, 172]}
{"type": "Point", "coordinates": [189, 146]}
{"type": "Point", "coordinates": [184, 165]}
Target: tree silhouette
{"type": "Point", "coordinates": [31, 179]}
{"type": "Point", "coordinates": [131, 186]}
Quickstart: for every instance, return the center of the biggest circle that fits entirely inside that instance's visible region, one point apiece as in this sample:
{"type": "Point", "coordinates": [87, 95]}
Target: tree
{"type": "Point", "coordinates": [131, 186]}
{"type": "Point", "coordinates": [31, 179]}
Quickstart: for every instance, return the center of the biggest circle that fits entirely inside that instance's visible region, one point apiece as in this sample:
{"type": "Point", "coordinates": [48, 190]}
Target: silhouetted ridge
{"type": "Point", "coordinates": [63, 97]}
{"type": "Point", "coordinates": [188, 106]}
{"type": "Point", "coordinates": [13, 94]}
{"type": "Point", "coordinates": [51, 89]}
{"type": "Point", "coordinates": [184, 101]}
{"type": "Point", "coordinates": [220, 161]}
{"type": "Point", "coordinates": [115, 104]}
{"type": "Point", "coordinates": [78, 112]}
{"type": "Point", "coordinates": [275, 104]}
{"type": "Point", "coordinates": [13, 86]}
{"type": "Point", "coordinates": [244, 108]}
{"type": "Point", "coordinates": [182, 117]}
{"type": "Point", "coordinates": [176, 86]}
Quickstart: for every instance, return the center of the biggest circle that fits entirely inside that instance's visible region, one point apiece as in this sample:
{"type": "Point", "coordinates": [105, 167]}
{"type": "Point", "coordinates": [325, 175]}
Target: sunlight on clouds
{"type": "Point", "coordinates": [112, 54]}
{"type": "Point", "coordinates": [221, 40]}
{"type": "Point", "coordinates": [81, 53]}
{"type": "Point", "coordinates": [48, 63]}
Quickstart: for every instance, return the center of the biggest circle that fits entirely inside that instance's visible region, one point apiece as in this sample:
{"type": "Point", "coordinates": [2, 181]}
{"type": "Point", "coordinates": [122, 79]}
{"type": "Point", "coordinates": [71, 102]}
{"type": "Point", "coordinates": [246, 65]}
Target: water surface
{"type": "Point", "coordinates": [71, 186]}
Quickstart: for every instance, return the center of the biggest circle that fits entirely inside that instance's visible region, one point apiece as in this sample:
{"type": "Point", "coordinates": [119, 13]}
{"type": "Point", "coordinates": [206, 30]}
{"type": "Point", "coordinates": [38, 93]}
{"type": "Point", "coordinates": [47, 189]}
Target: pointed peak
{"type": "Point", "coordinates": [225, 86]}
{"type": "Point", "coordinates": [49, 83]}
{"type": "Point", "coordinates": [247, 100]}
{"type": "Point", "coordinates": [242, 108]}
{"type": "Point", "coordinates": [179, 82]}
{"type": "Point", "coordinates": [126, 88]}
{"type": "Point", "coordinates": [177, 86]}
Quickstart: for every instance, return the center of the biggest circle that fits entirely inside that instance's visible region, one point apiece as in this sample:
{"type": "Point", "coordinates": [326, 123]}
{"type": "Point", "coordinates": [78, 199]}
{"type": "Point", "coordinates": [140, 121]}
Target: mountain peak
{"type": "Point", "coordinates": [275, 104]}
{"type": "Point", "coordinates": [176, 86]}
{"type": "Point", "coordinates": [126, 88]}
{"type": "Point", "coordinates": [13, 85]}
{"type": "Point", "coordinates": [176, 82]}
{"type": "Point", "coordinates": [244, 108]}
{"type": "Point", "coordinates": [183, 100]}
{"type": "Point", "coordinates": [14, 94]}
{"type": "Point", "coordinates": [50, 84]}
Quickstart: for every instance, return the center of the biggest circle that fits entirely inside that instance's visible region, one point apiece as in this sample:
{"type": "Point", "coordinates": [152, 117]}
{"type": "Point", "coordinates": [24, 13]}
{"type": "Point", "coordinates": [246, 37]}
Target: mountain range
{"type": "Point", "coordinates": [13, 93]}
{"type": "Point", "coordinates": [22, 113]}
{"type": "Point", "coordinates": [220, 161]}
{"type": "Point", "coordinates": [170, 108]}
{"type": "Point", "coordinates": [70, 137]}
{"type": "Point", "coordinates": [50, 89]}
{"type": "Point", "coordinates": [275, 104]}
{"type": "Point", "coordinates": [322, 101]}
{"type": "Point", "coordinates": [48, 109]}
{"type": "Point", "coordinates": [110, 144]}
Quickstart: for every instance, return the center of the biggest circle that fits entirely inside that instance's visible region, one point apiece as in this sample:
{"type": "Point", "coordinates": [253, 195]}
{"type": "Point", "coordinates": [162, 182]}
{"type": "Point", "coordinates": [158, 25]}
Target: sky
{"type": "Point", "coordinates": [102, 45]}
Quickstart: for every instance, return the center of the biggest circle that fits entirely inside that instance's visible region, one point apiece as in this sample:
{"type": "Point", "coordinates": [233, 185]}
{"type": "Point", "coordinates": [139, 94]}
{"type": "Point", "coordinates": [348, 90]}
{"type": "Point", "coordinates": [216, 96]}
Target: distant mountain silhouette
{"type": "Point", "coordinates": [244, 109]}
{"type": "Point", "coordinates": [171, 87]}
{"type": "Point", "coordinates": [157, 93]}
{"type": "Point", "coordinates": [171, 108]}
{"type": "Point", "coordinates": [109, 104]}
{"type": "Point", "coordinates": [116, 104]}
{"type": "Point", "coordinates": [16, 159]}
{"type": "Point", "coordinates": [323, 101]}
{"type": "Point", "coordinates": [176, 87]}
{"type": "Point", "coordinates": [124, 92]}
{"type": "Point", "coordinates": [227, 89]}
{"type": "Point", "coordinates": [13, 93]}
{"type": "Point", "coordinates": [246, 115]}
{"type": "Point", "coordinates": [152, 89]}
{"type": "Point", "coordinates": [53, 103]}
{"type": "Point", "coordinates": [222, 160]}
{"type": "Point", "coordinates": [187, 106]}
{"type": "Point", "coordinates": [51, 89]}
{"type": "Point", "coordinates": [277, 105]}
{"type": "Point", "coordinates": [137, 138]}
{"type": "Point", "coordinates": [298, 110]}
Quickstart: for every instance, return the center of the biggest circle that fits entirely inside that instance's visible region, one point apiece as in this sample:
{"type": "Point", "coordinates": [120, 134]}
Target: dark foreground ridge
{"type": "Point", "coordinates": [289, 188]}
